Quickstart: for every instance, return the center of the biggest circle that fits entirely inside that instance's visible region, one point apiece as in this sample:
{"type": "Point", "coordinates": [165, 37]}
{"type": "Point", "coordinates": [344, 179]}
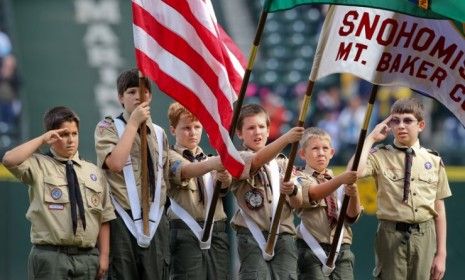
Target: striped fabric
{"type": "Point", "coordinates": [182, 48]}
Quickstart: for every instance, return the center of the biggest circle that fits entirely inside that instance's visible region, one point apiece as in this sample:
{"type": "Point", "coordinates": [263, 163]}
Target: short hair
{"type": "Point", "coordinates": [175, 111]}
{"type": "Point", "coordinates": [314, 132]}
{"type": "Point", "coordinates": [128, 79]}
{"type": "Point", "coordinates": [56, 116]}
{"type": "Point", "coordinates": [250, 110]}
{"type": "Point", "coordinates": [409, 106]}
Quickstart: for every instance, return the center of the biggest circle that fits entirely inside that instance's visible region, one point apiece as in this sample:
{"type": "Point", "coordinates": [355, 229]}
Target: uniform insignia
{"type": "Point", "coordinates": [104, 124]}
{"type": "Point", "coordinates": [56, 193]}
{"type": "Point", "coordinates": [175, 166]}
{"type": "Point", "coordinates": [95, 200]}
{"type": "Point", "coordinates": [56, 206]}
{"type": "Point", "coordinates": [428, 165]}
{"type": "Point", "coordinates": [93, 177]}
{"type": "Point", "coordinates": [254, 199]}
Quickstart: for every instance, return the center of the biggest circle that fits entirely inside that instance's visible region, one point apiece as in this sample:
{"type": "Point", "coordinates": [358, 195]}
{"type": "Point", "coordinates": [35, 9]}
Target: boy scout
{"type": "Point", "coordinates": [257, 195]}
{"type": "Point", "coordinates": [412, 183]}
{"type": "Point", "coordinates": [319, 210]}
{"type": "Point", "coordinates": [190, 196]}
{"type": "Point", "coordinates": [133, 254]}
{"type": "Point", "coordinates": [69, 202]}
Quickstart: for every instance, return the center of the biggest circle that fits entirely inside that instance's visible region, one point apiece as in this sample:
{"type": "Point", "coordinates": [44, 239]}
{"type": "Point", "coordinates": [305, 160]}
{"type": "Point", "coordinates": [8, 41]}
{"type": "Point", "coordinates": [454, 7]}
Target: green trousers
{"type": "Point", "coordinates": [404, 256]}
{"type": "Point", "coordinates": [129, 261]}
{"type": "Point", "coordinates": [191, 262]}
{"type": "Point", "coordinates": [53, 264]}
{"type": "Point", "coordinates": [253, 266]}
{"type": "Point", "coordinates": [309, 266]}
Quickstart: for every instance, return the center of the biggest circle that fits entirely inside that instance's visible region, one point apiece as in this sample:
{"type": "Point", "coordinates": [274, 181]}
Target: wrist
{"type": "Point", "coordinates": [294, 191]}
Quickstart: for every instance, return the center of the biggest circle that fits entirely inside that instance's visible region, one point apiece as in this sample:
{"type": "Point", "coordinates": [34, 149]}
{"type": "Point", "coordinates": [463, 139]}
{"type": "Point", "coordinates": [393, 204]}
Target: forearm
{"type": "Point", "coordinates": [19, 154]}
{"type": "Point", "coordinates": [119, 155]}
{"type": "Point", "coordinates": [103, 242]}
{"type": "Point", "coordinates": [353, 208]}
{"type": "Point", "coordinates": [267, 153]}
{"type": "Point", "coordinates": [196, 169]}
{"type": "Point", "coordinates": [369, 142]}
{"type": "Point", "coordinates": [441, 229]}
{"type": "Point", "coordinates": [317, 192]}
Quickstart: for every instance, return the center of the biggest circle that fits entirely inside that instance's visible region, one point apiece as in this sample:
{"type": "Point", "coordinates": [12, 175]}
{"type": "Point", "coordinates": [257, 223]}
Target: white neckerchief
{"type": "Point", "coordinates": [316, 247]}
{"type": "Point", "coordinates": [135, 224]}
{"type": "Point", "coordinates": [273, 171]}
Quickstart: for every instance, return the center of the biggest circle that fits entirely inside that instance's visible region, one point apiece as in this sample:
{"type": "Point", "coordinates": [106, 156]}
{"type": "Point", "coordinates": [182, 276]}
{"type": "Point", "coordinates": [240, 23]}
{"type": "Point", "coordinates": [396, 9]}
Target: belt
{"type": "Point", "coordinates": [244, 230]}
{"type": "Point", "coordinates": [406, 227]}
{"type": "Point", "coordinates": [325, 246]}
{"type": "Point", "coordinates": [219, 226]}
{"type": "Point", "coordinates": [68, 250]}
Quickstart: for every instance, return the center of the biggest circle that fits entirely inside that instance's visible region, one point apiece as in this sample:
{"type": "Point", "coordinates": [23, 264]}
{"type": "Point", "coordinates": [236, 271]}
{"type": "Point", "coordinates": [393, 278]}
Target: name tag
{"type": "Point", "coordinates": [56, 206]}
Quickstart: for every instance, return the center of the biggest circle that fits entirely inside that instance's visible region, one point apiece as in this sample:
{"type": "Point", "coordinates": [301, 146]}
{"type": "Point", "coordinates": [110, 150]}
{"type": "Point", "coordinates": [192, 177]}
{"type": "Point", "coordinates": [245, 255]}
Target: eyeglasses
{"type": "Point", "coordinates": [397, 121]}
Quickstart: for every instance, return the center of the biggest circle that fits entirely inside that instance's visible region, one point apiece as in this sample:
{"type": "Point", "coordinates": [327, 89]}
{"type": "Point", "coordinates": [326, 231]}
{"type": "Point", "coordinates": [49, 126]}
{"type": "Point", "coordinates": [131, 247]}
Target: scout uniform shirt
{"type": "Point", "coordinates": [254, 196]}
{"type": "Point", "coordinates": [428, 183]}
{"type": "Point", "coordinates": [49, 210]}
{"type": "Point", "coordinates": [106, 138]}
{"type": "Point", "coordinates": [313, 213]}
{"type": "Point", "coordinates": [186, 192]}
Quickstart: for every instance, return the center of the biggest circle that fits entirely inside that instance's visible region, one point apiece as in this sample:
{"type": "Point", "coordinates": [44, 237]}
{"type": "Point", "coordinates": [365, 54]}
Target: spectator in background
{"type": "Point", "coordinates": [350, 122]}
{"type": "Point", "coordinates": [9, 85]}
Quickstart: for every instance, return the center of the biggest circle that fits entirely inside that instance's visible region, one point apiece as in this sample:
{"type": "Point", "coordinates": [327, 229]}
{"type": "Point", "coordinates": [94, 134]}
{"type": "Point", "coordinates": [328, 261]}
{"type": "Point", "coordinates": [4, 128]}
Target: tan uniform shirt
{"type": "Point", "coordinates": [313, 213]}
{"type": "Point", "coordinates": [428, 183]}
{"type": "Point", "coordinates": [106, 138]}
{"type": "Point", "coordinates": [262, 216]}
{"type": "Point", "coordinates": [186, 192]}
{"type": "Point", "coordinates": [49, 210]}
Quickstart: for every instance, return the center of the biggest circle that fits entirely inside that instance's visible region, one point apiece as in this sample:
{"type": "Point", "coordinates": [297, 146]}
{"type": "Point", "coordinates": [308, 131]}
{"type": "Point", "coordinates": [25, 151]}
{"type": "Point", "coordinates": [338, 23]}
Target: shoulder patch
{"type": "Point", "coordinates": [106, 122]}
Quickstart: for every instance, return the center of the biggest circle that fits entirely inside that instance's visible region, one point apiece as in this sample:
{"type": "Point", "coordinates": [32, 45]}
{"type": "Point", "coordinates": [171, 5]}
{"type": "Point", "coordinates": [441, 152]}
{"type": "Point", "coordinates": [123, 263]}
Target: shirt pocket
{"type": "Point", "coordinates": [56, 190]}
{"type": "Point", "coordinates": [427, 185]}
{"type": "Point", "coordinates": [94, 196]}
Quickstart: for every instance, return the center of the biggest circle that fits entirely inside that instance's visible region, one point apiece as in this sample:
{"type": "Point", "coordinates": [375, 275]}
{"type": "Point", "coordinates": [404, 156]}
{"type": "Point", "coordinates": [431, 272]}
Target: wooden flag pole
{"type": "Point", "coordinates": [290, 164]}
{"type": "Point", "coordinates": [143, 157]}
{"type": "Point", "coordinates": [237, 108]}
{"type": "Point", "coordinates": [358, 152]}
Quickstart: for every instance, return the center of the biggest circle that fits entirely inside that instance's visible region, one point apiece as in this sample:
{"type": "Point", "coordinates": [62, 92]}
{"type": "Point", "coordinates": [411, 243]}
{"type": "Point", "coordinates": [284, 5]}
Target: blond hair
{"type": "Point", "coordinates": [314, 132]}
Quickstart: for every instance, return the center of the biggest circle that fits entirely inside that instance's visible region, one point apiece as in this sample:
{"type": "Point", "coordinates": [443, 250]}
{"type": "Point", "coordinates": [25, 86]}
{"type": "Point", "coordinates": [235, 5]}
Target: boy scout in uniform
{"type": "Point", "coordinates": [319, 210]}
{"type": "Point", "coordinates": [412, 183]}
{"type": "Point", "coordinates": [133, 254]}
{"type": "Point", "coordinates": [70, 205]}
{"type": "Point", "coordinates": [190, 194]}
{"type": "Point", "coordinates": [257, 194]}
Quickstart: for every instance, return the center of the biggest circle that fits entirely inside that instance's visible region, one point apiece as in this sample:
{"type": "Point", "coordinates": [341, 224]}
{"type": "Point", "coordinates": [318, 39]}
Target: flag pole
{"type": "Point", "coordinates": [237, 108]}
{"type": "Point", "coordinates": [290, 164]}
{"type": "Point", "coordinates": [345, 203]}
{"type": "Point", "coordinates": [143, 158]}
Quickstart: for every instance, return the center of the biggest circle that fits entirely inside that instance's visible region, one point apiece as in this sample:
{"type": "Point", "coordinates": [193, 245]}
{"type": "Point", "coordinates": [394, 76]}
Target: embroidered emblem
{"type": "Point", "coordinates": [428, 165]}
{"type": "Point", "coordinates": [93, 177]}
{"type": "Point", "coordinates": [56, 206]}
{"type": "Point", "coordinates": [95, 200]}
{"type": "Point", "coordinates": [254, 199]}
{"type": "Point", "coordinates": [102, 125]}
{"type": "Point", "coordinates": [175, 166]}
{"type": "Point", "coordinates": [56, 193]}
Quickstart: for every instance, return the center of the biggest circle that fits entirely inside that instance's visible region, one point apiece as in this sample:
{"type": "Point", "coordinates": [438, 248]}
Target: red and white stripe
{"type": "Point", "coordinates": [180, 46]}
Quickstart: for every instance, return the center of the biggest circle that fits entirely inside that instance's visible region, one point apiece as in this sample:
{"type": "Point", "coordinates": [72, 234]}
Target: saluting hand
{"type": "Point", "coordinates": [52, 136]}
{"type": "Point", "coordinates": [381, 131]}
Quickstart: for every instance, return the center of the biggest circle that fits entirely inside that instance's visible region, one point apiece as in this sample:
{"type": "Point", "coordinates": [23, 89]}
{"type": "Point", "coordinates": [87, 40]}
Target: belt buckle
{"type": "Point", "coordinates": [73, 250]}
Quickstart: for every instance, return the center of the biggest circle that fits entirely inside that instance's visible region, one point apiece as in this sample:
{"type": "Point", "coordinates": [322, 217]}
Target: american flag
{"type": "Point", "coordinates": [182, 48]}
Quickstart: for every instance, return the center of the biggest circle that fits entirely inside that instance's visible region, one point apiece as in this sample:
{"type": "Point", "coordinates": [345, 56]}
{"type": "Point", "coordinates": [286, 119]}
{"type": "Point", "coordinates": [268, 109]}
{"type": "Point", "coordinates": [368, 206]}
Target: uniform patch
{"type": "Point", "coordinates": [56, 193]}
{"type": "Point", "coordinates": [93, 177]}
{"type": "Point", "coordinates": [56, 206]}
{"type": "Point", "coordinates": [175, 166]}
{"type": "Point", "coordinates": [103, 124]}
{"type": "Point", "coordinates": [428, 165]}
{"type": "Point", "coordinates": [95, 200]}
{"type": "Point", "coordinates": [254, 199]}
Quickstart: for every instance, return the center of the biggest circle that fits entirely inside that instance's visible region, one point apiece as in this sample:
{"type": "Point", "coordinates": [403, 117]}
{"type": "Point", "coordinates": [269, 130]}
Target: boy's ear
{"type": "Point", "coordinates": [172, 130]}
{"type": "Point", "coordinates": [239, 134]}
{"type": "Point", "coordinates": [302, 153]}
{"type": "Point", "coordinates": [421, 125]}
{"type": "Point", "coordinates": [333, 151]}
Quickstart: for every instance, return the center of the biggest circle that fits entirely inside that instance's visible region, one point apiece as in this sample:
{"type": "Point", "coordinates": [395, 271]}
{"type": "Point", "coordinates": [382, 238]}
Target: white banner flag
{"type": "Point", "coordinates": [388, 48]}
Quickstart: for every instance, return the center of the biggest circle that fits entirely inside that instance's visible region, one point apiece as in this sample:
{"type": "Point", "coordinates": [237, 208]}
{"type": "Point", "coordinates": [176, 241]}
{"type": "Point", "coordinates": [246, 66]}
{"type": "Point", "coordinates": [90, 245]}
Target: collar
{"type": "Point", "coordinates": [180, 149]}
{"type": "Point", "coordinates": [415, 147]}
{"type": "Point", "coordinates": [310, 171]}
{"type": "Point", "coordinates": [76, 159]}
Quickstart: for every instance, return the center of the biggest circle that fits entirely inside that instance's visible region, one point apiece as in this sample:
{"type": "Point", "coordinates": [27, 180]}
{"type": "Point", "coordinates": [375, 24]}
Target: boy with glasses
{"type": "Point", "coordinates": [411, 184]}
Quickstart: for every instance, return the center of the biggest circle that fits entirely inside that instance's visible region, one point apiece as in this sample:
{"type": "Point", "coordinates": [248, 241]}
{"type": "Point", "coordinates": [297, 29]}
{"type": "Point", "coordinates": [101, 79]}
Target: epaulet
{"type": "Point", "coordinates": [381, 147]}
{"type": "Point", "coordinates": [106, 122]}
{"type": "Point", "coordinates": [434, 152]}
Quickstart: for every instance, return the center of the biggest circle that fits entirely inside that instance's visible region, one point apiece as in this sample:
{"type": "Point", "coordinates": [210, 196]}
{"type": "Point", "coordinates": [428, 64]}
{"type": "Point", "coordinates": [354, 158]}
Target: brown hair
{"type": "Point", "coordinates": [250, 110]}
{"type": "Point", "coordinates": [409, 106]}
{"type": "Point", "coordinates": [175, 111]}
{"type": "Point", "coordinates": [314, 132]}
{"type": "Point", "coordinates": [56, 116]}
{"type": "Point", "coordinates": [128, 79]}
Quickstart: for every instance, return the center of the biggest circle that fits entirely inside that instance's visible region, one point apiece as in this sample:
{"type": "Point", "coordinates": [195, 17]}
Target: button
{"type": "Point", "coordinates": [414, 193]}
{"type": "Point", "coordinates": [413, 179]}
{"type": "Point", "coordinates": [416, 210]}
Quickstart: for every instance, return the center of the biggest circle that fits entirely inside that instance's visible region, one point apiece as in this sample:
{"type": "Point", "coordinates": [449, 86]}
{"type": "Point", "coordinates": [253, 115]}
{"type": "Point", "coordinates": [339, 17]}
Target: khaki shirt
{"type": "Point", "coordinates": [106, 138]}
{"type": "Point", "coordinates": [428, 183]}
{"type": "Point", "coordinates": [263, 215]}
{"type": "Point", "coordinates": [313, 213]}
{"type": "Point", "coordinates": [186, 192]}
{"type": "Point", "coordinates": [50, 215]}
